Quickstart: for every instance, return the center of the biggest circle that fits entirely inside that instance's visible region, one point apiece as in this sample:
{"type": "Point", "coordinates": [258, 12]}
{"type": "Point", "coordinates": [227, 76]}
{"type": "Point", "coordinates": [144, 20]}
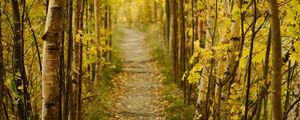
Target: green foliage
{"type": "Point", "coordinates": [116, 50]}
{"type": "Point", "coordinates": [217, 56]}
{"type": "Point", "coordinates": [176, 109]}
{"type": "Point", "coordinates": [165, 67]}
{"type": "Point", "coordinates": [98, 107]}
{"type": "Point", "coordinates": [159, 54]}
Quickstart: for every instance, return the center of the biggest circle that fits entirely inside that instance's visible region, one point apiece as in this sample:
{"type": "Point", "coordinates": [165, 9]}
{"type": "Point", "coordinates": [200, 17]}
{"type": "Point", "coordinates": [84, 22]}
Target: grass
{"type": "Point", "coordinates": [98, 106]}
{"type": "Point", "coordinates": [176, 108]}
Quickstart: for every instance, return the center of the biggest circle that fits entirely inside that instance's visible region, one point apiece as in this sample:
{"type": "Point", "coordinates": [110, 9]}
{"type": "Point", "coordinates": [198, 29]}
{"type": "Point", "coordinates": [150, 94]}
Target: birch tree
{"type": "Point", "coordinates": [50, 73]}
{"type": "Point", "coordinates": [76, 56]}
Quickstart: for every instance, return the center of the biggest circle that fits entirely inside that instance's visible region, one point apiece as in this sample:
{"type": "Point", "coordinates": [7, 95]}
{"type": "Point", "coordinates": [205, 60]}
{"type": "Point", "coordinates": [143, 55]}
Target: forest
{"type": "Point", "coordinates": [149, 59]}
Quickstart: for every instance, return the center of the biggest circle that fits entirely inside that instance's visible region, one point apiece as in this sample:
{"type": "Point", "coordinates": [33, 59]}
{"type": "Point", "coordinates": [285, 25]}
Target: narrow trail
{"type": "Point", "coordinates": [137, 91]}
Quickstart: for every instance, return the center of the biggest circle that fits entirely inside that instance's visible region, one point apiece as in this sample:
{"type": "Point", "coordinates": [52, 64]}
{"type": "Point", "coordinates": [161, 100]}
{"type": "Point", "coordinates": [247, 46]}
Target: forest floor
{"type": "Point", "coordinates": [137, 91]}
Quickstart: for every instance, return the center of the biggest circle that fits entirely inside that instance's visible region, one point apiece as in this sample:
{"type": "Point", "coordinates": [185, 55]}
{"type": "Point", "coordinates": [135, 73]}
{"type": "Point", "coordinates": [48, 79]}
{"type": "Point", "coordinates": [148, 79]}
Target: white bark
{"type": "Point", "coordinates": [50, 73]}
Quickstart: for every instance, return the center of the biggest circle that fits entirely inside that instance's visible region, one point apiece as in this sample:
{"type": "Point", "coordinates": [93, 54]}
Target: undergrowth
{"type": "Point", "coordinates": [176, 108]}
{"type": "Point", "coordinates": [97, 106]}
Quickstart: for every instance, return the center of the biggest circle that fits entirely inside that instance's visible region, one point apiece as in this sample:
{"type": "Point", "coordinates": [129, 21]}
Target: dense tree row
{"type": "Point", "coordinates": [235, 59]}
{"type": "Point", "coordinates": [75, 31]}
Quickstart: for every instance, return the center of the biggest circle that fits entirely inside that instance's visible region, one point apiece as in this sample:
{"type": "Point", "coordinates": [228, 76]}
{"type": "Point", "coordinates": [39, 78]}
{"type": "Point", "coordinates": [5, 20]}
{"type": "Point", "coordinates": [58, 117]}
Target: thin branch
{"type": "Point", "coordinates": [290, 108]}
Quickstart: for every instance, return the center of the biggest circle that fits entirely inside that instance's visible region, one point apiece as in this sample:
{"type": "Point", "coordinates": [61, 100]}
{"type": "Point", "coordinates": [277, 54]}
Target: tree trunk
{"type": "Point", "coordinates": [62, 74]}
{"type": "Point", "coordinates": [206, 71]}
{"type": "Point", "coordinates": [175, 42]}
{"type": "Point", "coordinates": [92, 66]}
{"type": "Point", "coordinates": [276, 61]}
{"type": "Point", "coordinates": [98, 44]}
{"type": "Point", "coordinates": [110, 35]}
{"type": "Point", "coordinates": [182, 47]}
{"type": "Point", "coordinates": [50, 73]}
{"type": "Point", "coordinates": [68, 86]}
{"type": "Point", "coordinates": [78, 117]}
{"type": "Point", "coordinates": [1, 68]}
{"type": "Point", "coordinates": [227, 62]}
{"type": "Point", "coordinates": [106, 27]}
{"type": "Point", "coordinates": [19, 74]}
{"type": "Point", "coordinates": [168, 19]}
{"type": "Point", "coordinates": [202, 33]}
{"type": "Point", "coordinates": [266, 74]}
{"type": "Point", "coordinates": [78, 18]}
{"type": "Point", "coordinates": [76, 57]}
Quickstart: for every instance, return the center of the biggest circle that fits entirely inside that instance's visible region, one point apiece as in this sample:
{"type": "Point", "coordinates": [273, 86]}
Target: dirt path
{"type": "Point", "coordinates": [137, 91]}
